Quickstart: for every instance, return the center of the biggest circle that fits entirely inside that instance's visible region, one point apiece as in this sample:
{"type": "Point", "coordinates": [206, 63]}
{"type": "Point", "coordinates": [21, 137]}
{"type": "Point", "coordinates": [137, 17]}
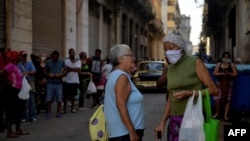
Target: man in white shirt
{"type": "Point", "coordinates": [73, 66]}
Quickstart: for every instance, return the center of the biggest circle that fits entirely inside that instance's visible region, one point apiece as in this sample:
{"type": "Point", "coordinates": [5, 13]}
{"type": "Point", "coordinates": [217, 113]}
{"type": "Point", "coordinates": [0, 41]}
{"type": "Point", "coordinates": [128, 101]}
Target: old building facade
{"type": "Point", "coordinates": [226, 28]}
{"type": "Point", "coordinates": [85, 25]}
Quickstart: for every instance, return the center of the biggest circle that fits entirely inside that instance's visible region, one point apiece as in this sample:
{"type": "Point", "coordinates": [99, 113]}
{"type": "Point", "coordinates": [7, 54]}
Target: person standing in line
{"type": "Point", "coordinates": [225, 73]}
{"type": "Point", "coordinates": [84, 76]}
{"type": "Point", "coordinates": [106, 68]}
{"type": "Point", "coordinates": [122, 99]}
{"type": "Point", "coordinates": [28, 70]}
{"type": "Point", "coordinates": [54, 70]}
{"type": "Point", "coordinates": [196, 77]}
{"type": "Point", "coordinates": [40, 81]}
{"type": "Point", "coordinates": [13, 103]}
{"type": "Point", "coordinates": [73, 67]}
{"type": "Point", "coordinates": [95, 64]}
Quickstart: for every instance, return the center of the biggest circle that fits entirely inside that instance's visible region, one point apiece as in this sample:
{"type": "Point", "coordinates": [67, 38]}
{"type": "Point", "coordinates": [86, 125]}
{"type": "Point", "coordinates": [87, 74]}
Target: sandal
{"type": "Point", "coordinates": [12, 136]}
{"type": "Point", "coordinates": [22, 133]}
{"type": "Point", "coordinates": [73, 111]}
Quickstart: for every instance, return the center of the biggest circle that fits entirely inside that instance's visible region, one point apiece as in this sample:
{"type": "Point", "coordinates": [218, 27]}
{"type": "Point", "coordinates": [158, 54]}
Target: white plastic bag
{"type": "Point", "coordinates": [192, 124]}
{"type": "Point", "coordinates": [25, 90]}
{"type": "Point", "coordinates": [91, 87]}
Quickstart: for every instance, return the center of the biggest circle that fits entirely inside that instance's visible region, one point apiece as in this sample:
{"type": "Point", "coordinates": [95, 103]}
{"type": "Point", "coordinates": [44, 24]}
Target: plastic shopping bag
{"type": "Point", "coordinates": [25, 90]}
{"type": "Point", "coordinates": [91, 87]}
{"type": "Point", "coordinates": [97, 125]}
{"type": "Point", "coordinates": [192, 124]}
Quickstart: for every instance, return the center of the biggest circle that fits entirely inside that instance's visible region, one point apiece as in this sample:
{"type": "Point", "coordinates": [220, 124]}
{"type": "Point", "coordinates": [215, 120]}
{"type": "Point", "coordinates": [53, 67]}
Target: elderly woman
{"type": "Point", "coordinates": [122, 99]}
{"type": "Point", "coordinates": [14, 85]}
{"type": "Point", "coordinates": [182, 67]}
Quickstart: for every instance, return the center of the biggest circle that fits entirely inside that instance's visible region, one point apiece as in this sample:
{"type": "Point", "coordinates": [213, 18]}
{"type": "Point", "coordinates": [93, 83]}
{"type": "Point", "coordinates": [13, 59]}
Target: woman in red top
{"type": "Point", "coordinates": [13, 87]}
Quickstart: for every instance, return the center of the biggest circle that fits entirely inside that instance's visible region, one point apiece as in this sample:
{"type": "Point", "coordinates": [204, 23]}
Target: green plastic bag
{"type": "Point", "coordinates": [97, 125]}
{"type": "Point", "coordinates": [211, 126]}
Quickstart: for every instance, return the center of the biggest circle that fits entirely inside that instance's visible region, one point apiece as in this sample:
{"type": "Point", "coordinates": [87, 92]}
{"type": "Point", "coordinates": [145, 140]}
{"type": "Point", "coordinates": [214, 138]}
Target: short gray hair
{"type": "Point", "coordinates": [116, 52]}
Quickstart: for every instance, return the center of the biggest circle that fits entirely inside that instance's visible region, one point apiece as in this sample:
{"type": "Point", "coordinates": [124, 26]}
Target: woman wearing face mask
{"type": "Point", "coordinates": [224, 72]}
{"type": "Point", "coordinates": [40, 80]}
{"type": "Point", "coordinates": [186, 75]}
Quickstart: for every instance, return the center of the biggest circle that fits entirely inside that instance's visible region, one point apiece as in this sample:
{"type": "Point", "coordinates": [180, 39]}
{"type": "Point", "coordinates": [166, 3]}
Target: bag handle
{"type": "Point", "coordinates": [207, 105]}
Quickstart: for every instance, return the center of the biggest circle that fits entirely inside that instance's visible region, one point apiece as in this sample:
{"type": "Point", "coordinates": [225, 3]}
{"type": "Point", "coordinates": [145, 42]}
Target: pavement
{"type": "Point", "coordinates": [74, 126]}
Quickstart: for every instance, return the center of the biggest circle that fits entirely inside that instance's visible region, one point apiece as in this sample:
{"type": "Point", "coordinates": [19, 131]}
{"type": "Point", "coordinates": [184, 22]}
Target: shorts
{"type": "Point", "coordinates": [70, 89]}
{"type": "Point", "coordinates": [54, 91]}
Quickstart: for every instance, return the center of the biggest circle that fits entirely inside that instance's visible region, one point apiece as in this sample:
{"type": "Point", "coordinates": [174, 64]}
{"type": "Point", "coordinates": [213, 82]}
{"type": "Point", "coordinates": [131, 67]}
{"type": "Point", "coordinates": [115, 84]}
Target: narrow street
{"type": "Point", "coordinates": [74, 127]}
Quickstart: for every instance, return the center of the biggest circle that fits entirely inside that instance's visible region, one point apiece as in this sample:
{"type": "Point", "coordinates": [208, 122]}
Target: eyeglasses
{"type": "Point", "coordinates": [130, 55]}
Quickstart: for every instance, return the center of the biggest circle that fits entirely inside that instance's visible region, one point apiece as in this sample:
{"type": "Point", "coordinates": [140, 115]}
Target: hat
{"type": "Point", "coordinates": [23, 53]}
{"type": "Point", "coordinates": [175, 39]}
{"type": "Point", "coordinates": [12, 55]}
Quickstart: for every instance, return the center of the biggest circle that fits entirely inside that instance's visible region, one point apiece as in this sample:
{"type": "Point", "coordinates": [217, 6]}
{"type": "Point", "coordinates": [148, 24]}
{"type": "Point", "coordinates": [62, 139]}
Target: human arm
{"type": "Point", "coordinates": [162, 79]}
{"type": "Point", "coordinates": [77, 69]}
{"type": "Point", "coordinates": [216, 70]}
{"type": "Point", "coordinates": [86, 73]}
{"type": "Point", "coordinates": [203, 74]}
{"type": "Point", "coordinates": [161, 126]}
{"type": "Point", "coordinates": [35, 60]}
{"type": "Point", "coordinates": [122, 92]}
{"type": "Point", "coordinates": [234, 73]}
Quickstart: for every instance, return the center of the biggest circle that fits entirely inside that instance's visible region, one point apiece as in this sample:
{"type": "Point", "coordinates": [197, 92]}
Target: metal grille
{"type": "Point", "coordinates": [47, 26]}
{"type": "Point", "coordinates": [93, 32]}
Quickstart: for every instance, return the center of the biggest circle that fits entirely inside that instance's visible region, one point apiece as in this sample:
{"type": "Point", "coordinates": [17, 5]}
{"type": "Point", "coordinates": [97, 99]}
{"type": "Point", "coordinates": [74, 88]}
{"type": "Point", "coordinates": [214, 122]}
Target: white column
{"type": "Point", "coordinates": [101, 27]}
{"type": "Point", "coordinates": [70, 25]}
{"type": "Point", "coordinates": [85, 26]}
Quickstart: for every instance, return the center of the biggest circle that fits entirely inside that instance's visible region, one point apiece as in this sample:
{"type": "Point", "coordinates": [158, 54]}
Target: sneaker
{"type": "Point", "coordinates": [23, 120]}
{"type": "Point", "coordinates": [33, 120]}
{"type": "Point", "coordinates": [58, 115]}
{"type": "Point", "coordinates": [73, 111]}
{"type": "Point", "coordinates": [48, 116]}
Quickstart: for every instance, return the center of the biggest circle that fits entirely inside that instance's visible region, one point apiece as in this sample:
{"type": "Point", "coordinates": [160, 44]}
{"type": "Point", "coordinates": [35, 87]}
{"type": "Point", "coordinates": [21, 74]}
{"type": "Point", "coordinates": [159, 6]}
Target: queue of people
{"type": "Point", "coordinates": [51, 78]}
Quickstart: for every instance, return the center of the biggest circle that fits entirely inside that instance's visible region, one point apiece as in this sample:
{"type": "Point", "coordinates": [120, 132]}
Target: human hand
{"type": "Point", "coordinates": [133, 136]}
{"type": "Point", "coordinates": [159, 129]}
{"type": "Point", "coordinates": [90, 75]}
{"type": "Point", "coordinates": [182, 94]}
{"type": "Point", "coordinates": [58, 75]}
{"type": "Point", "coordinates": [51, 75]}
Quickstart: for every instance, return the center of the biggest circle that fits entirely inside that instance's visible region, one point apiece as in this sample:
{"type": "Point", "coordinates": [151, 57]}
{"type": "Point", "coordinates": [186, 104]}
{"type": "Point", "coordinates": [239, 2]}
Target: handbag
{"type": "Point", "coordinates": [211, 126]}
{"type": "Point", "coordinates": [97, 125]}
{"type": "Point", "coordinates": [192, 124]}
{"type": "Point", "coordinates": [25, 90]}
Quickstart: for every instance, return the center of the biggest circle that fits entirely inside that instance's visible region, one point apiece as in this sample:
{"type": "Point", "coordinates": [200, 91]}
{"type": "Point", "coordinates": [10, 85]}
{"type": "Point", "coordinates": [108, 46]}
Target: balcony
{"type": "Point", "coordinates": [156, 26]}
{"type": "Point", "coordinates": [143, 7]}
{"type": "Point", "coordinates": [171, 9]}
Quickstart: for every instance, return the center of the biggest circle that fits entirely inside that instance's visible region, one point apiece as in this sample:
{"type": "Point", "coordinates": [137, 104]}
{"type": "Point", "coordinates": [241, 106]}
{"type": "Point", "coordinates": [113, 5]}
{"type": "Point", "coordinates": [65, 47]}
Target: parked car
{"type": "Point", "coordinates": [148, 73]}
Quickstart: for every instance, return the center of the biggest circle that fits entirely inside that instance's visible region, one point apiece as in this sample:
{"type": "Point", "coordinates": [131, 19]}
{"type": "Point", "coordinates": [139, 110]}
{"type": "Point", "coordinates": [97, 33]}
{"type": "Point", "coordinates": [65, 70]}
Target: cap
{"type": "Point", "coordinates": [23, 53]}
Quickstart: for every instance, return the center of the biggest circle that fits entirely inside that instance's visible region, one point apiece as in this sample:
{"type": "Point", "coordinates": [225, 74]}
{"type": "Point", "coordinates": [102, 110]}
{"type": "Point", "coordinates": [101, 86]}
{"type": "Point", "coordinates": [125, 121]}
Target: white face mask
{"type": "Point", "coordinates": [43, 58]}
{"type": "Point", "coordinates": [173, 56]}
{"type": "Point", "coordinates": [226, 60]}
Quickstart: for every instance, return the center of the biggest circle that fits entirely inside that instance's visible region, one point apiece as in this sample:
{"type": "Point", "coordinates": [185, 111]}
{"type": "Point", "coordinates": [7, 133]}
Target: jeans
{"type": "Point", "coordinates": [28, 108]}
